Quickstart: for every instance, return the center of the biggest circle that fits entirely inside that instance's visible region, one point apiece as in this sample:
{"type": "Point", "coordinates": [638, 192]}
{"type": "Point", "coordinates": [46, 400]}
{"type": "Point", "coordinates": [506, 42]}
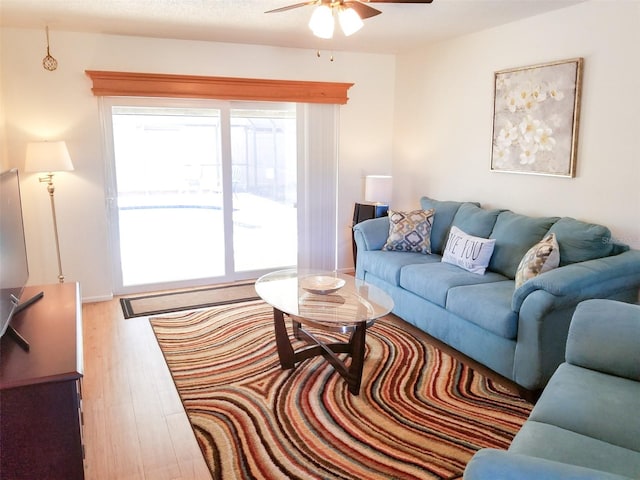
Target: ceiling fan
{"type": "Point", "coordinates": [350, 14]}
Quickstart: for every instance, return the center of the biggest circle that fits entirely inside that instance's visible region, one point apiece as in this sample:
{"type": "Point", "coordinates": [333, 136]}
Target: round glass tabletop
{"type": "Point", "coordinates": [328, 298]}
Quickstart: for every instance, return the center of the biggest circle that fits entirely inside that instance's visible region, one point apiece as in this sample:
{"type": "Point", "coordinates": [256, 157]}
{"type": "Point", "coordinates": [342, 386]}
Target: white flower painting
{"type": "Point", "coordinates": [535, 121]}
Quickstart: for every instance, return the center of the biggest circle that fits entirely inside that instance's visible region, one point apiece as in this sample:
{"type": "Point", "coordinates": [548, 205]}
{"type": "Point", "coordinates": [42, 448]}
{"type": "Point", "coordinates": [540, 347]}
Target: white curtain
{"type": "Point", "coordinates": [317, 186]}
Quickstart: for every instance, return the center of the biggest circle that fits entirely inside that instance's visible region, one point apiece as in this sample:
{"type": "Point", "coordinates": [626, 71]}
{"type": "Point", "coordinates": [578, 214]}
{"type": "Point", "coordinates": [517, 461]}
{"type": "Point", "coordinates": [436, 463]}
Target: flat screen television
{"type": "Point", "coordinates": [14, 269]}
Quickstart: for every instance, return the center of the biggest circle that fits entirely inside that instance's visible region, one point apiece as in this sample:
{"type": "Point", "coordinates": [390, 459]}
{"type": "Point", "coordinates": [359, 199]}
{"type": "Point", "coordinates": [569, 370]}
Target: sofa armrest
{"type": "Point", "coordinates": [599, 278]}
{"type": "Point", "coordinates": [604, 335]}
{"type": "Point", "coordinates": [490, 464]}
{"type": "Point", "coordinates": [371, 234]}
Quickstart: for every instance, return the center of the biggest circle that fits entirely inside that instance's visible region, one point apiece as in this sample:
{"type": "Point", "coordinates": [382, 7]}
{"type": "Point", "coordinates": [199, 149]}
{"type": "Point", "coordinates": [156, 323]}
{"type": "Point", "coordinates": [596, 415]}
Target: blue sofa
{"type": "Point", "coordinates": [518, 333]}
{"type": "Point", "coordinates": [586, 424]}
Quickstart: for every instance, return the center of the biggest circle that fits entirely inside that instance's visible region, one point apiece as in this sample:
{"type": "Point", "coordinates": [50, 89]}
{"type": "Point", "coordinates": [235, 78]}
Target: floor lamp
{"type": "Point", "coordinates": [49, 157]}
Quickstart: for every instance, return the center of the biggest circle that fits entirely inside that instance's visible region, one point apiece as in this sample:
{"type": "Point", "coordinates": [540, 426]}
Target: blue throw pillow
{"type": "Point", "coordinates": [444, 213]}
{"type": "Point", "coordinates": [474, 220]}
{"type": "Point", "coordinates": [580, 241]}
{"type": "Point", "coordinates": [515, 234]}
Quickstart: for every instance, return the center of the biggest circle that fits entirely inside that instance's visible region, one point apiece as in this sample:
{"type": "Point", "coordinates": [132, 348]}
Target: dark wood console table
{"type": "Point", "coordinates": [40, 389]}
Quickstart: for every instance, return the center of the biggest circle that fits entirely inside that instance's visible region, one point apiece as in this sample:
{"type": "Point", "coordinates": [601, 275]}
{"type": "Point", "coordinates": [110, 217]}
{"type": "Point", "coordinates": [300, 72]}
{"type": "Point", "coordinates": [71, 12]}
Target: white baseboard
{"type": "Point", "coordinates": [99, 298]}
{"type": "Point", "coordinates": [346, 270]}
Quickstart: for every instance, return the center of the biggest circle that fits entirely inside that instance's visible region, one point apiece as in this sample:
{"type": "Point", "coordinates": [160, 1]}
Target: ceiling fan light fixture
{"type": "Point", "coordinates": [321, 22]}
{"type": "Point", "coordinates": [350, 21]}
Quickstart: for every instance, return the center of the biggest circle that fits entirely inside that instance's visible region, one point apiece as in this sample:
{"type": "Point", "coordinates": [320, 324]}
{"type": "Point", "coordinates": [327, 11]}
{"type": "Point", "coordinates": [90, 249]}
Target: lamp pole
{"type": "Point", "coordinates": [49, 157]}
{"type": "Point", "coordinates": [51, 189]}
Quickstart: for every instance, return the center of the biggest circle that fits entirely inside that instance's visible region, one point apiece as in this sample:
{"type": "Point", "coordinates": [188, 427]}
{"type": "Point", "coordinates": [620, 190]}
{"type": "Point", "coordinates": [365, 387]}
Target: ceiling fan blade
{"type": "Point", "coordinates": [399, 1]}
{"type": "Point", "coordinates": [291, 7]}
{"type": "Point", "coordinates": [363, 10]}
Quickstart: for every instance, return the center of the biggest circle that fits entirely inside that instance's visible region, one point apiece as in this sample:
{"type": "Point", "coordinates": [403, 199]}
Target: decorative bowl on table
{"type": "Point", "coordinates": [321, 284]}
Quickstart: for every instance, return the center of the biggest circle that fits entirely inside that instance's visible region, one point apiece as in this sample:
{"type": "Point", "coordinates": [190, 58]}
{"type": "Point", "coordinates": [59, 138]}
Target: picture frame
{"type": "Point", "coordinates": [536, 118]}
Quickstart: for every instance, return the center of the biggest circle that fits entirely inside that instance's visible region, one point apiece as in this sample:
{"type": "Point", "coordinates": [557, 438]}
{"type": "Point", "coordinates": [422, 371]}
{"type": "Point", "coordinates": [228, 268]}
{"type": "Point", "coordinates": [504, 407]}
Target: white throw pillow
{"type": "Point", "coordinates": [542, 257]}
{"type": "Point", "coordinates": [468, 252]}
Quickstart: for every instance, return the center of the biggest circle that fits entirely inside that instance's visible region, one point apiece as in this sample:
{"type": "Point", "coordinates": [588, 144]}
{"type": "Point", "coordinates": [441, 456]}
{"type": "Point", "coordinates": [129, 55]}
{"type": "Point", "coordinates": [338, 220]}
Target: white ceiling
{"type": "Point", "coordinates": [400, 27]}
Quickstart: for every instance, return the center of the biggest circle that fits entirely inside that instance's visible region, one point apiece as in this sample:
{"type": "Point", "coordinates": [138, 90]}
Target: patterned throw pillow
{"type": "Point", "coordinates": [410, 231]}
{"type": "Point", "coordinates": [542, 257]}
{"type": "Point", "coordinates": [468, 252]}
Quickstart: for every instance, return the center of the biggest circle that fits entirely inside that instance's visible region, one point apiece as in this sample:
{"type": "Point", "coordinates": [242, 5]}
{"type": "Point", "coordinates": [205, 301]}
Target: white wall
{"type": "Point", "coordinates": [4, 162]}
{"type": "Point", "coordinates": [38, 104]}
{"type": "Point", "coordinates": [444, 106]}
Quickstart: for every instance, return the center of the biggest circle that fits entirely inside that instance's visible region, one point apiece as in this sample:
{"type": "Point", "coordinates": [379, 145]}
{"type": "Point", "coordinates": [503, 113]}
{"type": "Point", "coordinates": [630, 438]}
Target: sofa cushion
{"type": "Point", "coordinates": [555, 443]}
{"type": "Point", "coordinates": [514, 235]}
{"type": "Point", "coordinates": [593, 404]}
{"type": "Point", "coordinates": [487, 305]}
{"type": "Point", "coordinates": [409, 231]}
{"type": "Point", "coordinates": [580, 241]}
{"type": "Point", "coordinates": [492, 464]}
{"type": "Point", "coordinates": [474, 220]}
{"type": "Point", "coordinates": [432, 281]}
{"type": "Point", "coordinates": [542, 257]}
{"type": "Point", "coordinates": [444, 213]}
{"type": "Point", "coordinates": [604, 335]}
{"type": "Point", "coordinates": [468, 252]}
{"type": "Point", "coordinates": [387, 265]}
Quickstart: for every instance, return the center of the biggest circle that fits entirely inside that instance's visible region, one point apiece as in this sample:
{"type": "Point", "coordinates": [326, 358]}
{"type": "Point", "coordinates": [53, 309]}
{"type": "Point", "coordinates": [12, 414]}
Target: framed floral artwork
{"type": "Point", "coordinates": [535, 119]}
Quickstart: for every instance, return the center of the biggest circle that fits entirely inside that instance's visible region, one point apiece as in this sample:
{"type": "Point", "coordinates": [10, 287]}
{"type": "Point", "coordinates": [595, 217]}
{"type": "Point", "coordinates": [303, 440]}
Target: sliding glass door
{"type": "Point", "coordinates": [264, 187]}
{"type": "Point", "coordinates": [201, 192]}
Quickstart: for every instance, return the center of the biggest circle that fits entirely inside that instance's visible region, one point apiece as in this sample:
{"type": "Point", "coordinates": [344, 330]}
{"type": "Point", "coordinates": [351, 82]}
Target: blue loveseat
{"type": "Point", "coordinates": [586, 423]}
{"type": "Point", "coordinates": [518, 333]}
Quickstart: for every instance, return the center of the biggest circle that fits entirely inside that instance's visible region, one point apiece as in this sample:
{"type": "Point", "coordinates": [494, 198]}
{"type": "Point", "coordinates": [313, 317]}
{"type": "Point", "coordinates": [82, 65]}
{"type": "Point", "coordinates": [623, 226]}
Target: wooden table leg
{"type": "Point", "coordinates": [358, 347]}
{"type": "Point", "coordinates": [296, 328]}
{"type": "Point", "coordinates": [285, 350]}
{"type": "Point", "coordinates": [355, 349]}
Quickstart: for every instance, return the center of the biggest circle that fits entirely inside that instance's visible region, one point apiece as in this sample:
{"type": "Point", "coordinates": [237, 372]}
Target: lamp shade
{"type": "Point", "coordinates": [48, 157]}
{"type": "Point", "coordinates": [377, 188]}
{"type": "Point", "coordinates": [350, 21]}
{"type": "Point", "coordinates": [321, 22]}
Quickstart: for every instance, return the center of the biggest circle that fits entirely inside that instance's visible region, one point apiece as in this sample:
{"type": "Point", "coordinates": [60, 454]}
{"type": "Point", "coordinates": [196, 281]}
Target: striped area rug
{"type": "Point", "coordinates": [420, 414]}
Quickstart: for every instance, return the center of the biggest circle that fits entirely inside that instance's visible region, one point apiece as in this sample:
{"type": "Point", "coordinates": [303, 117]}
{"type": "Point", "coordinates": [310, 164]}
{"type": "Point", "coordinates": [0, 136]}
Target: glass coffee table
{"type": "Point", "coordinates": [326, 301]}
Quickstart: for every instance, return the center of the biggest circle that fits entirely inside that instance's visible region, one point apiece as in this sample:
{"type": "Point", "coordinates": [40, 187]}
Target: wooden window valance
{"type": "Point", "coordinates": [126, 84]}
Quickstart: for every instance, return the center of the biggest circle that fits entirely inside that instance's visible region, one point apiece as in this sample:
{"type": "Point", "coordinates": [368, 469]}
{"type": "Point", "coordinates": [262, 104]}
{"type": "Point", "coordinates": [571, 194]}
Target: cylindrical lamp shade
{"type": "Point", "coordinates": [377, 189]}
{"type": "Point", "coordinates": [48, 157]}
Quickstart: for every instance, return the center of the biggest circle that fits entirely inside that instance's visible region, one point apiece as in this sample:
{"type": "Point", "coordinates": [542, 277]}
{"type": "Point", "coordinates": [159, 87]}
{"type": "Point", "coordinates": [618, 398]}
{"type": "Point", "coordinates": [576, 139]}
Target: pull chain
{"type": "Point", "coordinates": [319, 55]}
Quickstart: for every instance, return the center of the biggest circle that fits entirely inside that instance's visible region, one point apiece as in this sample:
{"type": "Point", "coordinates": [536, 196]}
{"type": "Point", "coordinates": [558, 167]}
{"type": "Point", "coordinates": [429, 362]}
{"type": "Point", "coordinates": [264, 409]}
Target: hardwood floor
{"type": "Point", "coordinates": [134, 423]}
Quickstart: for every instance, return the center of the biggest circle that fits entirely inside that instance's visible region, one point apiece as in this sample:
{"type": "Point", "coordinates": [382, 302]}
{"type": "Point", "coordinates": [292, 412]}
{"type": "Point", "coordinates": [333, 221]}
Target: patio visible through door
{"type": "Point", "coordinates": [202, 193]}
